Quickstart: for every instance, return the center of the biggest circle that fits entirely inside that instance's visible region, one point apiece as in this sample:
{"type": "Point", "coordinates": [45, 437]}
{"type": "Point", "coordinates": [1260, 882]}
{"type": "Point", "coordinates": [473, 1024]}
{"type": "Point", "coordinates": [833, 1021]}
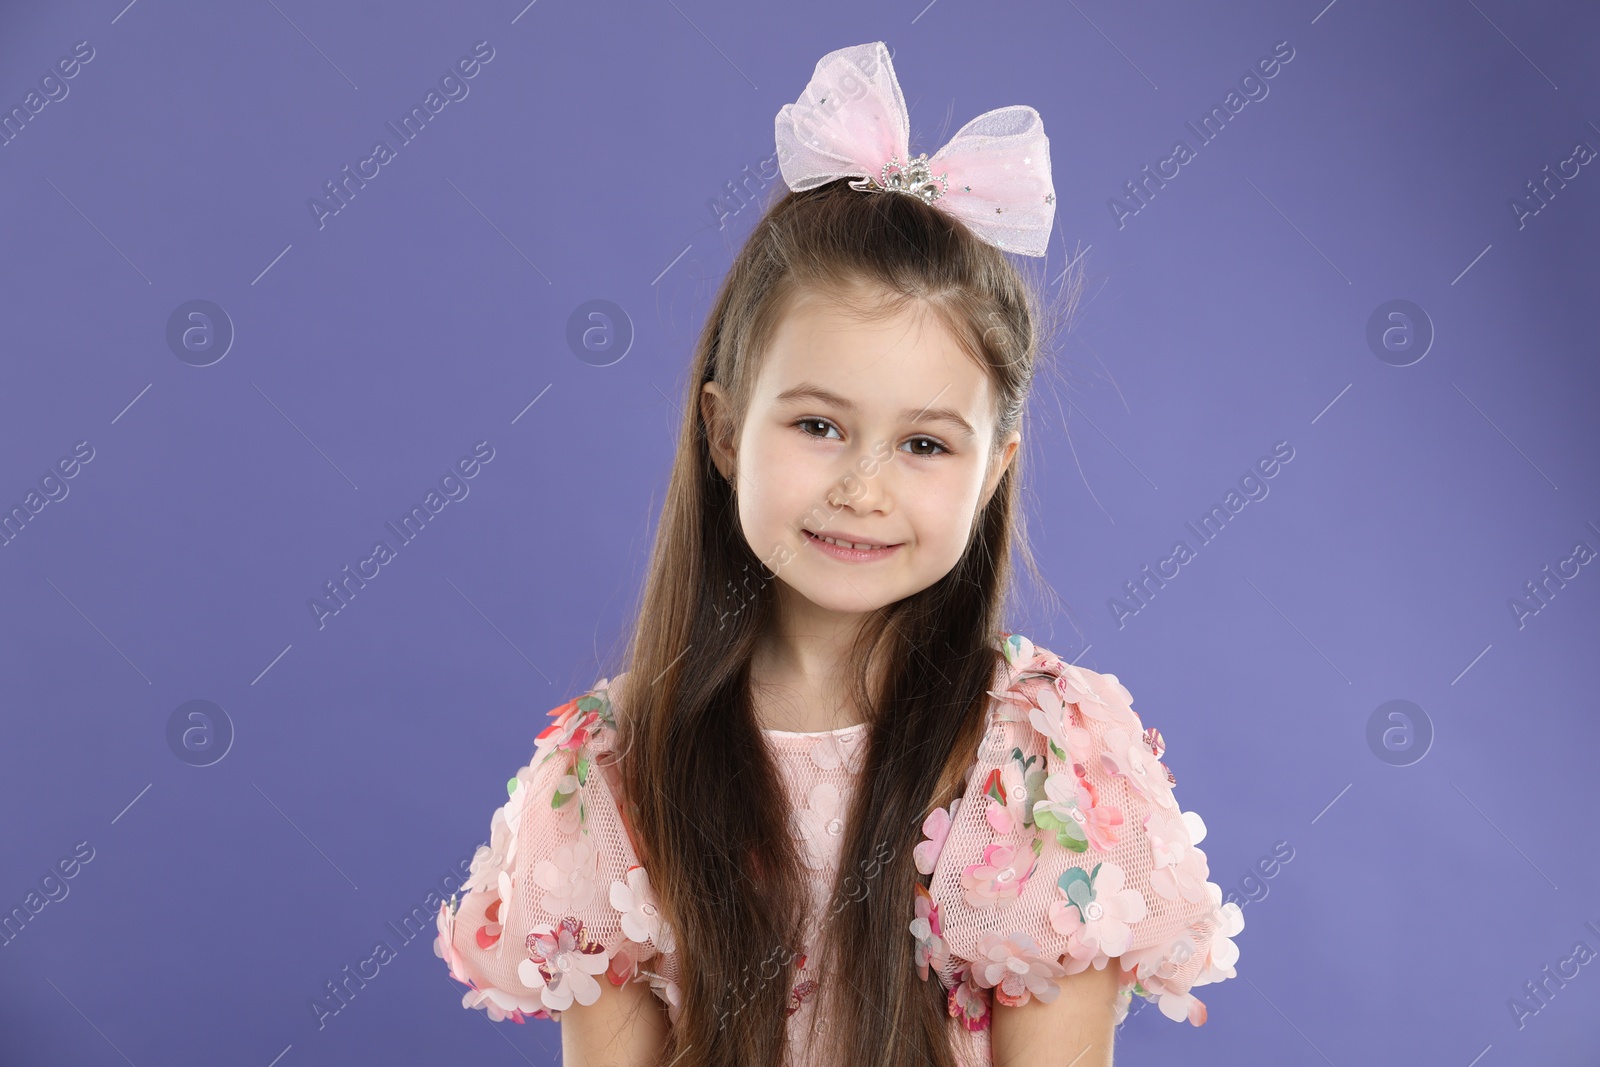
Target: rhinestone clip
{"type": "Point", "coordinates": [914, 178]}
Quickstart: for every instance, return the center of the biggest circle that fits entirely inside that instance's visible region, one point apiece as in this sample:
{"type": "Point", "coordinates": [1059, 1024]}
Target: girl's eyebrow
{"type": "Point", "coordinates": [808, 391]}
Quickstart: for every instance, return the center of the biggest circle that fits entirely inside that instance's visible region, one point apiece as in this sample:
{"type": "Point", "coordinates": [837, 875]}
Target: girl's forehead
{"type": "Point", "coordinates": [885, 356]}
{"type": "Point", "coordinates": [850, 304]}
{"type": "Point", "coordinates": [848, 346]}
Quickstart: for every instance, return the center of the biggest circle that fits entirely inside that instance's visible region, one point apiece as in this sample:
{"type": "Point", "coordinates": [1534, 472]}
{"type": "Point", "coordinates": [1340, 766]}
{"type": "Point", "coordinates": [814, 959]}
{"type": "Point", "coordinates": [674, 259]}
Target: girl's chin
{"type": "Point", "coordinates": [855, 597]}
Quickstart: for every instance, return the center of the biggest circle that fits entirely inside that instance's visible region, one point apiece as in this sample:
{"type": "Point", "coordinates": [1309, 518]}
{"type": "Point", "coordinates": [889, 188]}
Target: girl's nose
{"type": "Point", "coordinates": [865, 491]}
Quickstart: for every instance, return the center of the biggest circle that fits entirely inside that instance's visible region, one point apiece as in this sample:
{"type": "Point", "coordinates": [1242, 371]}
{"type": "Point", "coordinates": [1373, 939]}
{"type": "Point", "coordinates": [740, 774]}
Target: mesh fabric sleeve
{"type": "Point", "coordinates": [557, 904]}
{"type": "Point", "coordinates": [1068, 850]}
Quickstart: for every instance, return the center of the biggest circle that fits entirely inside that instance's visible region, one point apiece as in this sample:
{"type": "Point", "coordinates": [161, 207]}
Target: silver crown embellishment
{"type": "Point", "coordinates": [913, 178]}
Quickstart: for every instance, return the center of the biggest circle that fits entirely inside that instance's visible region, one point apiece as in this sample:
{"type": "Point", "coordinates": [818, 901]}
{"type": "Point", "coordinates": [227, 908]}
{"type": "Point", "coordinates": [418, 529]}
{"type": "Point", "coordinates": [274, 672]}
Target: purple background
{"type": "Point", "coordinates": [1228, 314]}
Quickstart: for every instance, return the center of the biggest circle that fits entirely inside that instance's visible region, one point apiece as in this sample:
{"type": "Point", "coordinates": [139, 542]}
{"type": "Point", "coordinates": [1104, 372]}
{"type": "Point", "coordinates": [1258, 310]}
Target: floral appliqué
{"type": "Point", "coordinates": [936, 830]}
{"type": "Point", "coordinates": [820, 824]}
{"type": "Point", "coordinates": [1180, 868]}
{"type": "Point", "coordinates": [498, 1004]}
{"type": "Point", "coordinates": [1130, 755]}
{"type": "Point", "coordinates": [562, 963]}
{"type": "Point", "coordinates": [1001, 875]}
{"type": "Point", "coordinates": [803, 987]}
{"type": "Point", "coordinates": [1096, 912]}
{"type": "Point", "coordinates": [1014, 969]}
{"type": "Point", "coordinates": [1072, 811]}
{"type": "Point", "coordinates": [642, 920]}
{"type": "Point", "coordinates": [929, 933]}
{"type": "Point", "coordinates": [967, 1001]}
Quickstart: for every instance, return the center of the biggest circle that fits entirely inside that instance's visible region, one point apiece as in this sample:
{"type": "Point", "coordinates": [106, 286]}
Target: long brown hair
{"type": "Point", "coordinates": [704, 800]}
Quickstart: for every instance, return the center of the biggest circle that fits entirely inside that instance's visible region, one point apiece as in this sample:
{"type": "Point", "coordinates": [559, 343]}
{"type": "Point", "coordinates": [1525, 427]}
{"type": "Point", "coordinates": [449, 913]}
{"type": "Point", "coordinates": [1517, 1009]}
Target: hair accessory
{"type": "Point", "coordinates": [851, 121]}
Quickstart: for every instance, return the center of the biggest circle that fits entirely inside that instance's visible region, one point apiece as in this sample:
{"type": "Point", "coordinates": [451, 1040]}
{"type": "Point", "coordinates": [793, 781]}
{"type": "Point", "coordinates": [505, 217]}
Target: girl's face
{"type": "Point", "coordinates": [878, 432]}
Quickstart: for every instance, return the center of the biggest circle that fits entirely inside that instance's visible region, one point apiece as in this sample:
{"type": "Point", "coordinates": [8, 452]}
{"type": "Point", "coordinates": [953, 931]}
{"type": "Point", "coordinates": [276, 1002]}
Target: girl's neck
{"type": "Point", "coordinates": [801, 669]}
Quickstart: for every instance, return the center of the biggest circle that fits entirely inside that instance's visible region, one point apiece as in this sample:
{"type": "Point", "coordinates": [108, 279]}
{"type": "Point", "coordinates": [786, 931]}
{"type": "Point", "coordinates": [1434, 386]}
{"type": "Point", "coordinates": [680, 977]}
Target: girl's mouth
{"type": "Point", "coordinates": [848, 554]}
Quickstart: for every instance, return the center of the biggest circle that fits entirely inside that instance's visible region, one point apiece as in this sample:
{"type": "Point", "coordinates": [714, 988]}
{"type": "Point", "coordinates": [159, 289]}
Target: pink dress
{"type": "Point", "coordinates": [1068, 850]}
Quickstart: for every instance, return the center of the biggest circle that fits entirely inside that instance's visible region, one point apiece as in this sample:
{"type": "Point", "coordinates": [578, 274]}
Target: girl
{"type": "Point", "coordinates": [832, 813]}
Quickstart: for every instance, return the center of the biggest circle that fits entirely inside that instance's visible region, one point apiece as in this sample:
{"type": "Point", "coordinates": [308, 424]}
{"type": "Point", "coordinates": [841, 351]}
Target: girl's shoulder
{"type": "Point", "coordinates": [557, 903]}
{"type": "Point", "coordinates": [1068, 849]}
{"type": "Point", "coordinates": [587, 721]}
{"type": "Point", "coordinates": [1041, 703]}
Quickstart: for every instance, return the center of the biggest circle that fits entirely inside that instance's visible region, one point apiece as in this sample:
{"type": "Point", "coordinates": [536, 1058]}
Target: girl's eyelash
{"type": "Point", "coordinates": [918, 437]}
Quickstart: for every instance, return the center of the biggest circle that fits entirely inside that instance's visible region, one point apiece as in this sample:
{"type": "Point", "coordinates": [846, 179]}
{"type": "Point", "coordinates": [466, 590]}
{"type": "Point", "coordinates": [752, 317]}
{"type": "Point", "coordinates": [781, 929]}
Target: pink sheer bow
{"type": "Point", "coordinates": [851, 121]}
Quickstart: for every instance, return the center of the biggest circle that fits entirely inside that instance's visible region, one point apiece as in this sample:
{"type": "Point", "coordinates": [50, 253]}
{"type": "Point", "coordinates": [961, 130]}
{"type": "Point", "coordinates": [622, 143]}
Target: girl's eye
{"type": "Point", "coordinates": [930, 441]}
{"type": "Point", "coordinates": [824, 423]}
{"type": "Point", "coordinates": [804, 424]}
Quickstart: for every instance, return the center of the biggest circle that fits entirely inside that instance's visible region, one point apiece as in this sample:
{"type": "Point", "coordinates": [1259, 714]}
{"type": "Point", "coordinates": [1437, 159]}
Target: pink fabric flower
{"type": "Point", "coordinates": [642, 920]}
{"type": "Point", "coordinates": [668, 992]}
{"type": "Point", "coordinates": [571, 727]}
{"type": "Point", "coordinates": [562, 963]}
{"type": "Point", "coordinates": [1176, 1004]}
{"type": "Point", "coordinates": [625, 960]}
{"type": "Point", "coordinates": [1052, 719]}
{"type": "Point", "coordinates": [498, 1004]}
{"type": "Point", "coordinates": [1179, 1007]}
{"type": "Point", "coordinates": [820, 825]}
{"type": "Point", "coordinates": [1158, 967]}
{"type": "Point", "coordinates": [1222, 953]}
{"type": "Point", "coordinates": [1127, 754]}
{"type": "Point", "coordinates": [1000, 875]}
{"type": "Point", "coordinates": [996, 802]}
{"type": "Point", "coordinates": [1112, 691]}
{"type": "Point", "coordinates": [1097, 696]}
{"type": "Point", "coordinates": [929, 933]}
{"type": "Point", "coordinates": [1097, 912]}
{"type": "Point", "coordinates": [444, 944]}
{"type": "Point", "coordinates": [1005, 815]}
{"type": "Point", "coordinates": [487, 934]}
{"type": "Point", "coordinates": [569, 807]}
{"type": "Point", "coordinates": [935, 828]}
{"type": "Point", "coordinates": [1070, 809]}
{"type": "Point", "coordinates": [500, 853]}
{"type": "Point", "coordinates": [968, 1002]}
{"type": "Point", "coordinates": [568, 876]}
{"type": "Point", "coordinates": [1013, 967]}
{"type": "Point", "coordinates": [839, 750]}
{"type": "Point", "coordinates": [1017, 649]}
{"type": "Point", "coordinates": [1049, 717]}
{"type": "Point", "coordinates": [1180, 869]}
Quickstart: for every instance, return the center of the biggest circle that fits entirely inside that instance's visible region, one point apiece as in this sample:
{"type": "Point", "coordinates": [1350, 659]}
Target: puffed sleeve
{"type": "Point", "coordinates": [557, 902]}
{"type": "Point", "coordinates": [1067, 850]}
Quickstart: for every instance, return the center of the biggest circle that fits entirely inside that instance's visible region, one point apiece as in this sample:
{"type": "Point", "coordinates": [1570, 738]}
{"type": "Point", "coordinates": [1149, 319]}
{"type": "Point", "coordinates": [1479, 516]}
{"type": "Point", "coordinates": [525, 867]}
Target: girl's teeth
{"type": "Point", "coordinates": [847, 544]}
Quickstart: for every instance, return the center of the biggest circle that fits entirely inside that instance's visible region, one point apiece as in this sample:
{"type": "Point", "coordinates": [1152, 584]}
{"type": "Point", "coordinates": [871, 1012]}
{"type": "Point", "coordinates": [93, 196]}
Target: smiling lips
{"type": "Point", "coordinates": [850, 549]}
